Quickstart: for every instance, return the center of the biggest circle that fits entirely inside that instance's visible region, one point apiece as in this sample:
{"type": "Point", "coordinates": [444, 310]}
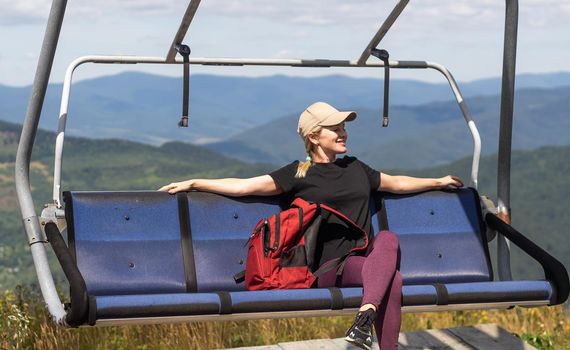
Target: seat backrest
{"type": "Point", "coordinates": [139, 242]}
{"type": "Point", "coordinates": [441, 234]}
{"type": "Point", "coordinates": [126, 242]}
{"type": "Point", "coordinates": [221, 227]}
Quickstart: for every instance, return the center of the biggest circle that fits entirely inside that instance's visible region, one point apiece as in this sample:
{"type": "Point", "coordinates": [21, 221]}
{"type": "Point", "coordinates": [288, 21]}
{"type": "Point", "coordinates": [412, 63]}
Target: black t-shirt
{"type": "Point", "coordinates": [344, 185]}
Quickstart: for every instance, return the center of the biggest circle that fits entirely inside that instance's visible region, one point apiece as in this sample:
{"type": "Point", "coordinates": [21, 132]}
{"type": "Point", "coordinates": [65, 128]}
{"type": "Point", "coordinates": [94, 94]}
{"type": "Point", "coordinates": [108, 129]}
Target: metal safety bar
{"type": "Point", "coordinates": [253, 62]}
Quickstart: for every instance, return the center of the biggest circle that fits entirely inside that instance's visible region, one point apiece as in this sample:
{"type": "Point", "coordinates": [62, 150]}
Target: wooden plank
{"type": "Point", "coordinates": [341, 344]}
{"type": "Point", "coordinates": [315, 344]}
{"type": "Point", "coordinates": [479, 337]}
{"type": "Point", "coordinates": [431, 339]}
{"type": "Point", "coordinates": [490, 336]}
{"type": "Point", "coordinates": [261, 347]}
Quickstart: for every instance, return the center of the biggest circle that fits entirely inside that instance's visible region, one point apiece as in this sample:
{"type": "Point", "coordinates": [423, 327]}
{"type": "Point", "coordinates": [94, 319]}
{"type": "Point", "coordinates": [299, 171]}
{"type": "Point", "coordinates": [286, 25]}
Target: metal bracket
{"type": "Point", "coordinates": [51, 213]}
{"type": "Point", "coordinates": [33, 231]}
{"type": "Point", "coordinates": [487, 206]}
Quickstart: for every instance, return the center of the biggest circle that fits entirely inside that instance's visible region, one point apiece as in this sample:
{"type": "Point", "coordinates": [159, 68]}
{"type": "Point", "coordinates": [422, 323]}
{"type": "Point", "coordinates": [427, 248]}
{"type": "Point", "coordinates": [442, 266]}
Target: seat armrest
{"type": "Point", "coordinates": [554, 271]}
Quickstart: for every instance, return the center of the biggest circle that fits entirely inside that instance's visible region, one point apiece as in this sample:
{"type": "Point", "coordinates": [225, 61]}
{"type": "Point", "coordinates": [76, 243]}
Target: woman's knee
{"type": "Point", "coordinates": [387, 239]}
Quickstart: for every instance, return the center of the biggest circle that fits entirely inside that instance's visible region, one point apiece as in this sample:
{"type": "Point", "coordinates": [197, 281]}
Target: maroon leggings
{"type": "Point", "coordinates": [378, 273]}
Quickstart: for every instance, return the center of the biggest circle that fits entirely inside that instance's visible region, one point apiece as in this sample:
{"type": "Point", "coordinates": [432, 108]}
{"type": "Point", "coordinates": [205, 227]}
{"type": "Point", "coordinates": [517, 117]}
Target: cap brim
{"type": "Point", "coordinates": [337, 118]}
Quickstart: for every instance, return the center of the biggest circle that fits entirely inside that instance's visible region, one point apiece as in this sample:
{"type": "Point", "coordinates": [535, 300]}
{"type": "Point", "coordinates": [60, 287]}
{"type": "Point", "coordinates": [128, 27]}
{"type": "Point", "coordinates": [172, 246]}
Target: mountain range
{"type": "Point", "coordinates": [148, 107]}
{"type": "Point", "coordinates": [419, 136]}
{"type": "Point", "coordinates": [426, 127]}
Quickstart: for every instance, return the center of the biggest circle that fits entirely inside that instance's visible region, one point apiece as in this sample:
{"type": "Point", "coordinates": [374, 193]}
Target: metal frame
{"type": "Point", "coordinates": [252, 62]}
{"type": "Point", "coordinates": [306, 313]}
{"type": "Point", "coordinates": [36, 237]}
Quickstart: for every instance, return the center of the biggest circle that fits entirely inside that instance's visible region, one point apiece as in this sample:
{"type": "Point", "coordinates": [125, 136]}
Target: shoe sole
{"type": "Point", "coordinates": [357, 344]}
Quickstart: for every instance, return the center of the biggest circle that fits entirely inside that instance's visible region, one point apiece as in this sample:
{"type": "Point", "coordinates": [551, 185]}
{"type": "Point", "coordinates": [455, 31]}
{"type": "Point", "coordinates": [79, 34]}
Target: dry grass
{"type": "Point", "coordinates": [25, 324]}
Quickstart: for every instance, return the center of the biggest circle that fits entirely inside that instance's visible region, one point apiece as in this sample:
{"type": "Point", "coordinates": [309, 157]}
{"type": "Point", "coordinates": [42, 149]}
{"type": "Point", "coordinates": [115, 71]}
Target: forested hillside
{"type": "Point", "coordinates": [93, 165]}
{"type": "Point", "coordinates": [540, 186]}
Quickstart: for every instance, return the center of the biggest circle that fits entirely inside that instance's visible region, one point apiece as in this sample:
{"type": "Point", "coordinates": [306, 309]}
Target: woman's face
{"type": "Point", "coordinates": [332, 139]}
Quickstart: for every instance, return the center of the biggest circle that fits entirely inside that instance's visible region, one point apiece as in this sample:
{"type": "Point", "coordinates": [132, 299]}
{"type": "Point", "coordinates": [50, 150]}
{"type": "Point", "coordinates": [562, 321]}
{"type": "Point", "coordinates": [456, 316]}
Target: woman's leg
{"type": "Point", "coordinates": [389, 315]}
{"type": "Point", "coordinates": [382, 284]}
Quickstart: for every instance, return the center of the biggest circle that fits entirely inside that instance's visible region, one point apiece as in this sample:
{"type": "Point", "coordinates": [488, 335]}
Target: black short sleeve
{"type": "Point", "coordinates": [373, 176]}
{"type": "Point", "coordinates": [346, 185]}
{"type": "Point", "coordinates": [285, 176]}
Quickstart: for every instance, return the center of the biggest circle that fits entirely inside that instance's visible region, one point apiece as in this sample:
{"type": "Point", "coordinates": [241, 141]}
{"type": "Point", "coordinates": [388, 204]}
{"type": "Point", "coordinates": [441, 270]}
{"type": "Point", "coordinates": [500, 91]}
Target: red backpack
{"type": "Point", "coordinates": [281, 252]}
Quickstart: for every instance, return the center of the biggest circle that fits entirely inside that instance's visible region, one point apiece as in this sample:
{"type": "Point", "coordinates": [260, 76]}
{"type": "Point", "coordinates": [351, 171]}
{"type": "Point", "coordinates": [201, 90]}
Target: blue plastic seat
{"type": "Point", "coordinates": [156, 256]}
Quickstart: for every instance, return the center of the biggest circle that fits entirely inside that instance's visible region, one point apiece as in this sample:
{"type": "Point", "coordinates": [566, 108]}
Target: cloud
{"type": "Point", "coordinates": [136, 8]}
{"type": "Point", "coordinates": [320, 13]}
{"type": "Point", "coordinates": [23, 11]}
{"type": "Point", "coordinates": [298, 12]}
{"type": "Point", "coordinates": [33, 11]}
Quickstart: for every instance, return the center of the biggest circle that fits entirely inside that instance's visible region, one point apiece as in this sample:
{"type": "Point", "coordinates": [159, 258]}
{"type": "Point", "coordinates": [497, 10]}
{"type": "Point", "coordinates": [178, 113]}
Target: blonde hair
{"type": "Point", "coordinates": [303, 167]}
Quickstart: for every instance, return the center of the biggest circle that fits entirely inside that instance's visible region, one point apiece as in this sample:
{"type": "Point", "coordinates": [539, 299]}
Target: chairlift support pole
{"type": "Point", "coordinates": [36, 237]}
{"type": "Point", "coordinates": [505, 134]}
{"type": "Point", "coordinates": [182, 29]}
{"type": "Point", "coordinates": [383, 30]}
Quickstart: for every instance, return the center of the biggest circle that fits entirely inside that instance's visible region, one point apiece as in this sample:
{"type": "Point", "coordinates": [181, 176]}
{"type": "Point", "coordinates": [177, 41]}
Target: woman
{"type": "Point", "coordinates": [346, 185]}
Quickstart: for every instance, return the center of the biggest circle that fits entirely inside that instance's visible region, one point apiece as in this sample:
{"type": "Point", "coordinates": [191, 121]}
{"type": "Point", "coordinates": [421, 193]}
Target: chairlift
{"type": "Point", "coordinates": [149, 257]}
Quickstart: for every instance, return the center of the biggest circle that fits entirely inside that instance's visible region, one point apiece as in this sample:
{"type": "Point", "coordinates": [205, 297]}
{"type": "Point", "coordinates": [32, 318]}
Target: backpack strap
{"type": "Point", "coordinates": [348, 221]}
{"type": "Point", "coordinates": [303, 204]}
{"type": "Point", "coordinates": [337, 264]}
{"type": "Point", "coordinates": [342, 216]}
{"type": "Point", "coordinates": [327, 266]}
{"type": "Point", "coordinates": [239, 277]}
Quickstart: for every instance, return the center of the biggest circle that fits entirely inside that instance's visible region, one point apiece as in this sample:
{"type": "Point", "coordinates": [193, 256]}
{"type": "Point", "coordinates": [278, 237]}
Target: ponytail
{"type": "Point", "coordinates": [303, 167]}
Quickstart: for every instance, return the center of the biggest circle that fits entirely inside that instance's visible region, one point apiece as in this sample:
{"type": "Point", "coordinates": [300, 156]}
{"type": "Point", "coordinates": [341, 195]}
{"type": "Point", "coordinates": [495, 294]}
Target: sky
{"type": "Point", "coordinates": [465, 36]}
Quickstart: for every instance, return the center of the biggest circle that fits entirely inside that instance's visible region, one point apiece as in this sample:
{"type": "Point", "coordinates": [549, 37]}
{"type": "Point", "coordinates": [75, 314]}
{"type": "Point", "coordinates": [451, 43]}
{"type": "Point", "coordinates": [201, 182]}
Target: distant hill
{"type": "Point", "coordinates": [91, 164]}
{"type": "Point", "coordinates": [146, 108]}
{"type": "Point", "coordinates": [540, 192]}
{"type": "Point", "coordinates": [419, 136]}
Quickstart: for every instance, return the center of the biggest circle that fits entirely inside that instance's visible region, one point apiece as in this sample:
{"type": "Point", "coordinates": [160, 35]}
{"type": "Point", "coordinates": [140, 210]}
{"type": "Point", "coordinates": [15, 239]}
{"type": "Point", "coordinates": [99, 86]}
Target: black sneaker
{"type": "Point", "coordinates": [360, 333]}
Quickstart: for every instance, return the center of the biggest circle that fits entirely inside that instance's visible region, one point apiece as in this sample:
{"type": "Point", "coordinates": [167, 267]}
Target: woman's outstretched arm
{"type": "Point", "coordinates": [263, 185]}
{"type": "Point", "coordinates": [409, 184]}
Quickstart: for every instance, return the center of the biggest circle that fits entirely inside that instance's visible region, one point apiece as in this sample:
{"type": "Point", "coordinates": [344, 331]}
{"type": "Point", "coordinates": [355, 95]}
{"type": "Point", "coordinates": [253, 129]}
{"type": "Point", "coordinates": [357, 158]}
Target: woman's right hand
{"type": "Point", "coordinates": [176, 187]}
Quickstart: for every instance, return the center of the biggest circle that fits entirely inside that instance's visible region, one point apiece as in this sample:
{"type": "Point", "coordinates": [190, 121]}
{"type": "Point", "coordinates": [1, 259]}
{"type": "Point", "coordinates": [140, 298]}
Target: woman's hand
{"type": "Point", "coordinates": [450, 181]}
{"type": "Point", "coordinates": [176, 187]}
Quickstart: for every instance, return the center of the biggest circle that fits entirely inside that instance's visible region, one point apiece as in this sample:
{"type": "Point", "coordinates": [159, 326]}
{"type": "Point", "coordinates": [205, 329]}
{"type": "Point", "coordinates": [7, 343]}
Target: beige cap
{"type": "Point", "coordinates": [322, 114]}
